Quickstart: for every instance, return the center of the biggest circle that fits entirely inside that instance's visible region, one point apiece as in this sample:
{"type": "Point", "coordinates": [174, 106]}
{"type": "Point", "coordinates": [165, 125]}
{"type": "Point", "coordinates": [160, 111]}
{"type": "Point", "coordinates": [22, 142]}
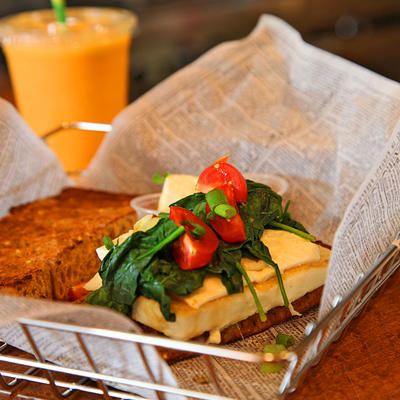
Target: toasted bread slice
{"type": "Point", "coordinates": [49, 245]}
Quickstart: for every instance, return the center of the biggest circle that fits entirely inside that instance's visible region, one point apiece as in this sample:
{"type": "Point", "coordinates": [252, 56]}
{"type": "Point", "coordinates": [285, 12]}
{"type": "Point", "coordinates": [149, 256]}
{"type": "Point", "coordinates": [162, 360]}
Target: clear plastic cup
{"type": "Point", "coordinates": [276, 183]}
{"type": "Point", "coordinates": [66, 73]}
{"type": "Point", "coordinates": [146, 204]}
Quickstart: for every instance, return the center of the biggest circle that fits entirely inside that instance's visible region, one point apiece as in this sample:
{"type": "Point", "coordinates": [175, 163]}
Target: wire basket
{"type": "Point", "coordinates": [307, 353]}
{"type": "Point", "coordinates": [16, 371]}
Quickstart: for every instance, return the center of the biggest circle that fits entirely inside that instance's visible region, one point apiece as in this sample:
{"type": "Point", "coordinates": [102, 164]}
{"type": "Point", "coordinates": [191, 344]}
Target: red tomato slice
{"type": "Point", "coordinates": [231, 230]}
{"type": "Point", "coordinates": [191, 251]}
{"type": "Point", "coordinates": [223, 159]}
{"type": "Point", "coordinates": [220, 174]}
{"type": "Point", "coordinates": [77, 291]}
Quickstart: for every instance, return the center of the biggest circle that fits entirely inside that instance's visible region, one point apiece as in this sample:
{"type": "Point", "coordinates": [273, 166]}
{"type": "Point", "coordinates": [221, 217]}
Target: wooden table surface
{"type": "Point", "coordinates": [363, 365]}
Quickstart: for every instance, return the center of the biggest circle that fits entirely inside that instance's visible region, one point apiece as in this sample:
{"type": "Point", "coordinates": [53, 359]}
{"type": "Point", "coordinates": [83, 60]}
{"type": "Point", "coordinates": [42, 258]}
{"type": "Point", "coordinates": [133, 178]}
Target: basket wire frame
{"type": "Point", "coordinates": [307, 353]}
{"type": "Point", "coordinates": [317, 339]}
{"type": "Point", "coordinates": [79, 125]}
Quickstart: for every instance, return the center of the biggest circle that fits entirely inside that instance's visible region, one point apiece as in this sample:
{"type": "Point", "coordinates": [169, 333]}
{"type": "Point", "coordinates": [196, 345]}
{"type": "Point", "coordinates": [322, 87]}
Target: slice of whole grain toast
{"type": "Point", "coordinates": [49, 245]}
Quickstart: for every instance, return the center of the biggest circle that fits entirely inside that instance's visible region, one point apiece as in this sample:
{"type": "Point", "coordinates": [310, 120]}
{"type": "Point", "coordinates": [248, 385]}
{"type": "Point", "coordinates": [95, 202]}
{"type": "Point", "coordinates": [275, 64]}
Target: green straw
{"type": "Point", "coordinates": [59, 10]}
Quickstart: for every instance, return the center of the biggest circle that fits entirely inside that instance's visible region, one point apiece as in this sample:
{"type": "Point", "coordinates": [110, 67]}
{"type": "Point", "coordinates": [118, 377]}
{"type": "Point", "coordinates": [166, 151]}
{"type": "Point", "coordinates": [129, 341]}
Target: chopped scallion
{"type": "Point", "coordinates": [270, 368]}
{"type": "Point", "coordinates": [219, 204]}
{"type": "Point", "coordinates": [285, 340]}
{"type": "Point", "coordinates": [274, 348]}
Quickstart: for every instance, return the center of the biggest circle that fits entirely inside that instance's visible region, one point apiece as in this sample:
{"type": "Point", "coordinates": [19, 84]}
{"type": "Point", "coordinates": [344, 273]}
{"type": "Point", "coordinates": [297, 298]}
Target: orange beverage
{"type": "Point", "coordinates": [78, 71]}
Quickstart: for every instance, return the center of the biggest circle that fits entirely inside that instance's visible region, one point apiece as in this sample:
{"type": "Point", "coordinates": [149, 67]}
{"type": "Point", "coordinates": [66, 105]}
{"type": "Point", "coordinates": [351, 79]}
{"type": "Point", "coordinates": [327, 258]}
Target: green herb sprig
{"type": "Point", "coordinates": [124, 264]}
{"type": "Point", "coordinates": [160, 179]}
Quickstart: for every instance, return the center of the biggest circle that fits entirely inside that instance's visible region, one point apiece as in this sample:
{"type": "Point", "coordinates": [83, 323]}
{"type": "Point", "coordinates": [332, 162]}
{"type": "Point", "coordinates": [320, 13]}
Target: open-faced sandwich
{"type": "Point", "coordinates": [227, 261]}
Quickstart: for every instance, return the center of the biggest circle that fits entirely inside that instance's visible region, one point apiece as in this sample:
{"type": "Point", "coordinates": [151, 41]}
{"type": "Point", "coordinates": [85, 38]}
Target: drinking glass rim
{"type": "Point", "coordinates": [12, 28]}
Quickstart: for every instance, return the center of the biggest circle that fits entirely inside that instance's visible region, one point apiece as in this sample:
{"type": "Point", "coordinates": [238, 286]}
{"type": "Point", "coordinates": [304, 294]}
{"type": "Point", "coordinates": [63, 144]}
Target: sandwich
{"type": "Point", "coordinates": [225, 262]}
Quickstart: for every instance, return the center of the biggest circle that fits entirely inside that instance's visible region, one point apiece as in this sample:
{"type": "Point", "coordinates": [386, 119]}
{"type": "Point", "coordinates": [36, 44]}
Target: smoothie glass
{"type": "Point", "coordinates": [78, 71]}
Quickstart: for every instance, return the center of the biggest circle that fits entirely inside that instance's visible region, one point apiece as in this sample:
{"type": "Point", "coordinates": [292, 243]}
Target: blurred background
{"type": "Point", "coordinates": [173, 33]}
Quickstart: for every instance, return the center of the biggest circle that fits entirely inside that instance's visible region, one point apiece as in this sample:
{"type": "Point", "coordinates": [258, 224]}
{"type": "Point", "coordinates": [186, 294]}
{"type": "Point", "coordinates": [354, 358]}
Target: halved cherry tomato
{"type": "Point", "coordinates": [77, 291]}
{"type": "Point", "coordinates": [191, 251]}
{"type": "Point", "coordinates": [231, 230]}
{"type": "Point", "coordinates": [220, 174]}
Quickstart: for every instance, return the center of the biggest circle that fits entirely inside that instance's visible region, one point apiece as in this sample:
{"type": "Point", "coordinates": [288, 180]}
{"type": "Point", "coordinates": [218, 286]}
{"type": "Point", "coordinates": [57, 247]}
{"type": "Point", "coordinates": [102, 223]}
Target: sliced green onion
{"type": "Point", "coordinates": [274, 348]}
{"type": "Point", "coordinates": [285, 340]}
{"type": "Point", "coordinates": [270, 368]}
{"type": "Point", "coordinates": [225, 211]}
{"type": "Point", "coordinates": [108, 242]}
{"type": "Point", "coordinates": [219, 204]}
{"type": "Point", "coordinates": [260, 310]}
{"type": "Point", "coordinates": [293, 230]}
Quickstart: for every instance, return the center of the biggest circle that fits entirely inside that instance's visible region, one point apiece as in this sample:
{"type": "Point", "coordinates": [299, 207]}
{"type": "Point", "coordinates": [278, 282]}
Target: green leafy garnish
{"type": "Point", "coordinates": [163, 215]}
{"type": "Point", "coordinates": [196, 203]}
{"type": "Point", "coordinates": [262, 207]}
{"type": "Point", "coordinates": [224, 264]}
{"type": "Point", "coordinates": [159, 179]}
{"type": "Point", "coordinates": [162, 277]}
{"type": "Point", "coordinates": [108, 242]}
{"type": "Point", "coordinates": [123, 265]}
{"type": "Point", "coordinates": [143, 263]}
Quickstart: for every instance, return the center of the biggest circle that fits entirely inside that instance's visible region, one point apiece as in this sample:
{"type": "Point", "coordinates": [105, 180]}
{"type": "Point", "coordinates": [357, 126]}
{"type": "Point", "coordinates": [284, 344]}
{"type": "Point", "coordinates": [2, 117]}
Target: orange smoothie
{"type": "Point", "coordinates": [67, 73]}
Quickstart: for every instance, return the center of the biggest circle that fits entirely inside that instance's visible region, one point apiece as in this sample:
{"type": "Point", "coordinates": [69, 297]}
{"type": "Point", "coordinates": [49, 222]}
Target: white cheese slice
{"type": "Point", "coordinates": [94, 284]}
{"type": "Point", "coordinates": [191, 322]}
{"type": "Point", "coordinates": [176, 186]}
{"type": "Point", "coordinates": [287, 250]}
